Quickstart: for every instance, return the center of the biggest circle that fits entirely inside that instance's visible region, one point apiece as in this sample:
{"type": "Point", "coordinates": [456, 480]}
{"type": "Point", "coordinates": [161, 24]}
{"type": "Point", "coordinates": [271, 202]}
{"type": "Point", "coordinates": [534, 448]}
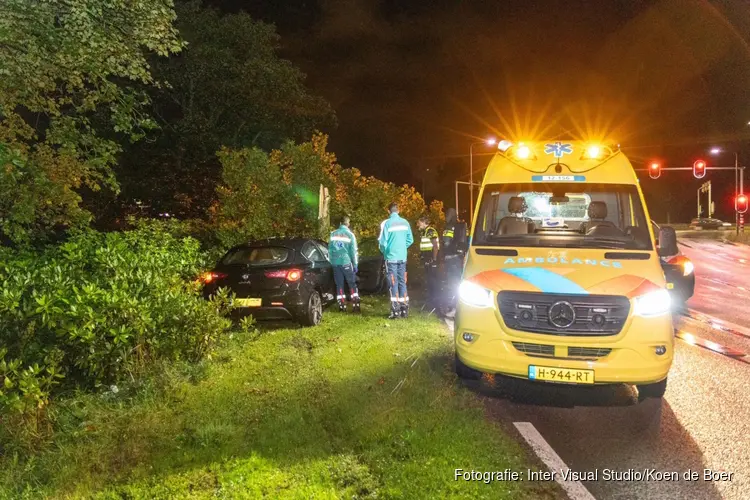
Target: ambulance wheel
{"type": "Point", "coordinates": [656, 390]}
{"type": "Point", "coordinates": [312, 313]}
{"type": "Point", "coordinates": [466, 373]}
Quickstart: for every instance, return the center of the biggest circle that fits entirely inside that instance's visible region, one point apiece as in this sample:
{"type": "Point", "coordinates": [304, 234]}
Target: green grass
{"type": "Point", "coordinates": [354, 408]}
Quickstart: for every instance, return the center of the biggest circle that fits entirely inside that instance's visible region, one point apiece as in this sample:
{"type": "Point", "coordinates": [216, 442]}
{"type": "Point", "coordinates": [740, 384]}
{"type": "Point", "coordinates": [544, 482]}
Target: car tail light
{"type": "Point", "coordinates": [287, 274]}
{"type": "Point", "coordinates": [212, 276]}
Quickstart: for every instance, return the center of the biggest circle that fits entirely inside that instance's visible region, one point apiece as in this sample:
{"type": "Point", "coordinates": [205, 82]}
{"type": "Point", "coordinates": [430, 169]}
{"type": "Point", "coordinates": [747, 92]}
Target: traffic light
{"type": "Point", "coordinates": [740, 203]}
{"type": "Point", "coordinates": [654, 170]}
{"type": "Point", "coordinates": [699, 169]}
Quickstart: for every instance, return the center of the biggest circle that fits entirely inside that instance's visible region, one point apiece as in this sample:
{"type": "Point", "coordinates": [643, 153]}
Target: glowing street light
{"type": "Point", "coordinates": [715, 151]}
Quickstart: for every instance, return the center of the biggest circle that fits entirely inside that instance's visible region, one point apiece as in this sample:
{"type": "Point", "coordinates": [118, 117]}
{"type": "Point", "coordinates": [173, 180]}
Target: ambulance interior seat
{"type": "Point", "coordinates": [597, 224]}
{"type": "Point", "coordinates": [516, 223]}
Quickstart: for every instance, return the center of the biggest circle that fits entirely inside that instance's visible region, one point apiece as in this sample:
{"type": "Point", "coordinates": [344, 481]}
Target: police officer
{"type": "Point", "coordinates": [428, 249]}
{"type": "Point", "coordinates": [342, 249]}
{"type": "Point", "coordinates": [395, 237]}
{"type": "Point", "coordinates": [452, 249]}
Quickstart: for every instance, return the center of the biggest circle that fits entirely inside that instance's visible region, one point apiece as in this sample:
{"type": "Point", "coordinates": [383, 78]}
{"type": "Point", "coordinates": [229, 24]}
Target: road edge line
{"type": "Point", "coordinates": [575, 489]}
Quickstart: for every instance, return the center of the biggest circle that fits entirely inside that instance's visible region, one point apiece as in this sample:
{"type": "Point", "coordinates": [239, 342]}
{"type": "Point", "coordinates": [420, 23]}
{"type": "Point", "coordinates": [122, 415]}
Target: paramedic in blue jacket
{"type": "Point", "coordinates": [395, 237]}
{"type": "Point", "coordinates": [342, 250]}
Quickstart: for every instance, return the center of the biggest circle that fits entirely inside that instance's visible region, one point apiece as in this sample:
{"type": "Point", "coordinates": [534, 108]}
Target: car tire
{"type": "Point", "coordinates": [466, 373]}
{"type": "Point", "coordinates": [655, 391]}
{"type": "Point", "coordinates": [312, 313]}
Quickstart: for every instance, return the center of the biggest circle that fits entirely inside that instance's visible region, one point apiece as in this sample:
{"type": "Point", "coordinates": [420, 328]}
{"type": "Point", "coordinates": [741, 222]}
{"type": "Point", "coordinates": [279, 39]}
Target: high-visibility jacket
{"type": "Point", "coordinates": [342, 247]}
{"type": "Point", "coordinates": [425, 242]}
{"type": "Point", "coordinates": [448, 245]}
{"type": "Point", "coordinates": [395, 237]}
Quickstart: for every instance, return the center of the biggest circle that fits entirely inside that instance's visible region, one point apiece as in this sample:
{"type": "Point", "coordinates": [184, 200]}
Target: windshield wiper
{"type": "Point", "coordinates": [607, 242]}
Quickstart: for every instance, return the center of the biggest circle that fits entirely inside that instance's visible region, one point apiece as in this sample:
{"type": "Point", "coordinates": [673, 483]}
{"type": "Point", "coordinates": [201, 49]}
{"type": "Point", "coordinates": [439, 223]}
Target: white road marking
{"type": "Point", "coordinates": [574, 489]}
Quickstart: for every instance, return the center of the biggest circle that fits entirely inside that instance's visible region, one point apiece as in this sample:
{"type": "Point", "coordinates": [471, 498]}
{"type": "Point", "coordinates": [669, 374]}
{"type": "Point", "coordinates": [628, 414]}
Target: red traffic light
{"type": "Point", "coordinates": [654, 169]}
{"type": "Point", "coordinates": [699, 169]}
{"type": "Point", "coordinates": [740, 203]}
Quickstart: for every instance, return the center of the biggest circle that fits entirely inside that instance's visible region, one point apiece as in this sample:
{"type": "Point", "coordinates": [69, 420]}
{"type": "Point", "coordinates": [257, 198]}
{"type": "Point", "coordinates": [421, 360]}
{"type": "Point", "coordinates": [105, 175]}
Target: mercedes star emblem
{"type": "Point", "coordinates": [562, 314]}
{"type": "Point", "coordinates": [245, 276]}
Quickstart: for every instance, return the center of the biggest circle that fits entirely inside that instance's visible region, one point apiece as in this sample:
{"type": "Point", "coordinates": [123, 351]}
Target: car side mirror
{"type": "Point", "coordinates": [667, 242]}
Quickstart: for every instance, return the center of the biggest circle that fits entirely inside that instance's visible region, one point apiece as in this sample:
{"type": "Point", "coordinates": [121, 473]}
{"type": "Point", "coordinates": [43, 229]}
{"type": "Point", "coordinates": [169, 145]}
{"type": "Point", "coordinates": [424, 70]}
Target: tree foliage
{"type": "Point", "coordinates": [70, 78]}
{"type": "Point", "coordinates": [277, 194]}
{"type": "Point", "coordinates": [228, 88]}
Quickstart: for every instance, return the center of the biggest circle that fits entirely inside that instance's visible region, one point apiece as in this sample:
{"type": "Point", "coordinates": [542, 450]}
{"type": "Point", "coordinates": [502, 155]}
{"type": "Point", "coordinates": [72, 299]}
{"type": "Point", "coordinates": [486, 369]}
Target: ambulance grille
{"type": "Point", "coordinates": [535, 349]}
{"type": "Point", "coordinates": [588, 352]}
{"type": "Point", "coordinates": [595, 315]}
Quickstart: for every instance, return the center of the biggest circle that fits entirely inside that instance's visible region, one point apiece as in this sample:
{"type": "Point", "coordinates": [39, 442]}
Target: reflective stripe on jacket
{"type": "Point", "coordinates": [342, 247]}
{"type": "Point", "coordinates": [425, 243]}
{"type": "Point", "coordinates": [395, 237]}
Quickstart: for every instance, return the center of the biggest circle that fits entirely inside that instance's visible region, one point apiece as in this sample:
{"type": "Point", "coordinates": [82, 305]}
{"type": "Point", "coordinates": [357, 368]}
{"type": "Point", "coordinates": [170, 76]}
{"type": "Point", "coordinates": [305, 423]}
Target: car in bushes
{"type": "Point", "coordinates": [285, 278]}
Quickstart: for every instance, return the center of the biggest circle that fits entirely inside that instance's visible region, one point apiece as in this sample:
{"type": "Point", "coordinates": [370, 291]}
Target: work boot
{"type": "Point", "coordinates": [404, 310]}
{"type": "Point", "coordinates": [342, 306]}
{"type": "Point", "coordinates": [395, 313]}
{"type": "Point", "coordinates": [355, 307]}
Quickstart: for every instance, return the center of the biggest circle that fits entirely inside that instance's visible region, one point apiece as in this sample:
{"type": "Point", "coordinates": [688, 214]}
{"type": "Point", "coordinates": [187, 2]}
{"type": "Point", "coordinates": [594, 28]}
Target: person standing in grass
{"type": "Point", "coordinates": [342, 248]}
{"type": "Point", "coordinates": [395, 237]}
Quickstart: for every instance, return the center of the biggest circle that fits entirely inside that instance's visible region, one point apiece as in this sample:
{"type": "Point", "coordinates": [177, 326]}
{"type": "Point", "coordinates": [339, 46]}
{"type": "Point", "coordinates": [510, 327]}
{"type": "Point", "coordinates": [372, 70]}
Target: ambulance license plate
{"type": "Point", "coordinates": [247, 302]}
{"type": "Point", "coordinates": [567, 375]}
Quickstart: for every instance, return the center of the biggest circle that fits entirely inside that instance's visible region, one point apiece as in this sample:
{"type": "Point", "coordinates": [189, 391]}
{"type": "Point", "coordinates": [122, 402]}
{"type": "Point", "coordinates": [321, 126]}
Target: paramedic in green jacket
{"type": "Point", "coordinates": [342, 249]}
{"type": "Point", "coordinates": [395, 237]}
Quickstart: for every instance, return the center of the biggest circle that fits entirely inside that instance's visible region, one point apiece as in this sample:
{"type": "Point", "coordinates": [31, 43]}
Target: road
{"type": "Point", "coordinates": [702, 423]}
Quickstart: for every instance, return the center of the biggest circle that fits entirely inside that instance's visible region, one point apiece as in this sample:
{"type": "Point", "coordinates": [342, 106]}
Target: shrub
{"type": "Point", "coordinates": [276, 194]}
{"type": "Point", "coordinates": [99, 308]}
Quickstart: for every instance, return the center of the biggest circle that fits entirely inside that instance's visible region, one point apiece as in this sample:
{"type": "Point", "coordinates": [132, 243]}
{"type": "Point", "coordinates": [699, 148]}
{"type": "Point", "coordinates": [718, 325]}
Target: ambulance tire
{"type": "Point", "coordinates": [466, 373]}
{"type": "Point", "coordinates": [655, 391]}
{"type": "Point", "coordinates": [312, 312]}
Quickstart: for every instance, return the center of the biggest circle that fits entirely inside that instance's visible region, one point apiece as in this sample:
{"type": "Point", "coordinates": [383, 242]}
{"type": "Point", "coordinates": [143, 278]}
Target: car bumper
{"type": "Point", "coordinates": [632, 358]}
{"type": "Point", "coordinates": [275, 305]}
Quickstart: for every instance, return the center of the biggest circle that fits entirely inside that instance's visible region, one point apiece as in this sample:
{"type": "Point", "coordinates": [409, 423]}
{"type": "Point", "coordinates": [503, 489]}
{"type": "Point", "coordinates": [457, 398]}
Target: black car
{"type": "Point", "coordinates": [680, 272]}
{"type": "Point", "coordinates": [708, 223]}
{"type": "Point", "coordinates": [288, 278]}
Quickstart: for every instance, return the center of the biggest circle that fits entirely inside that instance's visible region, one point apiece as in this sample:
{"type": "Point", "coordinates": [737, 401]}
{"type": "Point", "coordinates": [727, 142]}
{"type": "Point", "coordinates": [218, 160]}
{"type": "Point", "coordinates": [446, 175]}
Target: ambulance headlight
{"type": "Point", "coordinates": [687, 267]}
{"type": "Point", "coordinates": [653, 303]}
{"type": "Point", "coordinates": [474, 295]}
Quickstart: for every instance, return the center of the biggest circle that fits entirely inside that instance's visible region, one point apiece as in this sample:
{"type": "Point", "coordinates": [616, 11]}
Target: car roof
{"type": "Point", "coordinates": [293, 243]}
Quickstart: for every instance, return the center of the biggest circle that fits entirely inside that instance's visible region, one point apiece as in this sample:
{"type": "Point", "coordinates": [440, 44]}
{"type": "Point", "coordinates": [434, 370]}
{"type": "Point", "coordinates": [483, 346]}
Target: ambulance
{"type": "Point", "coordinates": [562, 281]}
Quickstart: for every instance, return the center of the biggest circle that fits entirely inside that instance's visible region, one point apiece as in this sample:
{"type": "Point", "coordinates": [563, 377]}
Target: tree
{"type": "Point", "coordinates": [71, 73]}
{"type": "Point", "coordinates": [276, 194]}
{"type": "Point", "coordinates": [227, 88]}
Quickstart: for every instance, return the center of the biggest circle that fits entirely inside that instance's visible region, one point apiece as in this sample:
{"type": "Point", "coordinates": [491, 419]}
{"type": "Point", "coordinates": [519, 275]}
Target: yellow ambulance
{"type": "Point", "coordinates": [563, 281]}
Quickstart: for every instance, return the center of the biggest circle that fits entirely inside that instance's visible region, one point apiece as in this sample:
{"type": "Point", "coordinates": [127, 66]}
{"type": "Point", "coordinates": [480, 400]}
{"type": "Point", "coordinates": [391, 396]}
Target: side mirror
{"type": "Point", "coordinates": [667, 242]}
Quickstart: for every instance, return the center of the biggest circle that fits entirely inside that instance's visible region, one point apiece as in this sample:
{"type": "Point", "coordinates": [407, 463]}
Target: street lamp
{"type": "Point", "coordinates": [487, 142]}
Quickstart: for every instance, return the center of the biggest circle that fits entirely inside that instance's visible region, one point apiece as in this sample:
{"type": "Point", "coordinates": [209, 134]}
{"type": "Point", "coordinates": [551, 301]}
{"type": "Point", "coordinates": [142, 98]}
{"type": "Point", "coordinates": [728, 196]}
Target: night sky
{"type": "Point", "coordinates": [414, 82]}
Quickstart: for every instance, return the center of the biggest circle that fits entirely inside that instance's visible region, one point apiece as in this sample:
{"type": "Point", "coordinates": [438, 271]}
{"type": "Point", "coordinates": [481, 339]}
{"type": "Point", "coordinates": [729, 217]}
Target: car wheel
{"type": "Point", "coordinates": [312, 314]}
{"type": "Point", "coordinates": [656, 390]}
{"type": "Point", "coordinates": [466, 373]}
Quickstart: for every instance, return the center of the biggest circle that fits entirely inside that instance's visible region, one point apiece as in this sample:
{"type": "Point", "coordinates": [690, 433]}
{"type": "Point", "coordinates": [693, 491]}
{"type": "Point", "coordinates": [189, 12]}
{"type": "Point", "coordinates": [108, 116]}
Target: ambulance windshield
{"type": "Point", "coordinates": [574, 215]}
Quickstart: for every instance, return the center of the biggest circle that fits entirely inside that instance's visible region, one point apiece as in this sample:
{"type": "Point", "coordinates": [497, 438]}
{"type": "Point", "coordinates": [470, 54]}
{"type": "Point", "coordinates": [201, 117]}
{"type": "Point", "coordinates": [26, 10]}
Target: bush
{"type": "Point", "coordinates": [99, 308]}
{"type": "Point", "coordinates": [276, 194]}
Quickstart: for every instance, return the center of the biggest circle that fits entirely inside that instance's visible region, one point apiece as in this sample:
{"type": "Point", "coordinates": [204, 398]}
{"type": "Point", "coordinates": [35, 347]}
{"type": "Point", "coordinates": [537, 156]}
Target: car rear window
{"type": "Point", "coordinates": [258, 256]}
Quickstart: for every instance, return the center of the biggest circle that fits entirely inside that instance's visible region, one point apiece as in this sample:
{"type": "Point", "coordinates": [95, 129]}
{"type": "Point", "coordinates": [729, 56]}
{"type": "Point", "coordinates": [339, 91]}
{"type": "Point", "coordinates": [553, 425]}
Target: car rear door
{"type": "Point", "coordinates": [320, 268]}
{"type": "Point", "coordinates": [371, 267]}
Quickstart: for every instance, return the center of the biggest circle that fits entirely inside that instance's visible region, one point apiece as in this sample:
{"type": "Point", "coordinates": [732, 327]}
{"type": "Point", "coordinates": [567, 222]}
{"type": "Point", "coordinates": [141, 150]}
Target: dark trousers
{"type": "Point", "coordinates": [397, 282]}
{"type": "Point", "coordinates": [432, 280]}
{"type": "Point", "coordinates": [345, 274]}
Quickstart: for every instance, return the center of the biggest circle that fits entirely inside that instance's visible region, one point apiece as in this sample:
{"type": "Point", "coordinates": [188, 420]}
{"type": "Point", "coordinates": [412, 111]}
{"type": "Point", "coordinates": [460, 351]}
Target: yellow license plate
{"type": "Point", "coordinates": [567, 375]}
{"type": "Point", "coordinates": [247, 302]}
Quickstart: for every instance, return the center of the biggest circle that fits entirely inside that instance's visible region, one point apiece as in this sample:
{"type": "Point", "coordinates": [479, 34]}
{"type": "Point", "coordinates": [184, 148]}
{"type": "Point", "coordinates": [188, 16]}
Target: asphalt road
{"type": "Point", "coordinates": [702, 423]}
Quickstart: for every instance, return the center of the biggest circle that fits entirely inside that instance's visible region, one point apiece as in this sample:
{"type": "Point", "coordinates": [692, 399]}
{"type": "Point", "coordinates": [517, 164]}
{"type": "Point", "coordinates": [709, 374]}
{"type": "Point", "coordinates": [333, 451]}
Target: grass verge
{"type": "Point", "coordinates": [358, 407]}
